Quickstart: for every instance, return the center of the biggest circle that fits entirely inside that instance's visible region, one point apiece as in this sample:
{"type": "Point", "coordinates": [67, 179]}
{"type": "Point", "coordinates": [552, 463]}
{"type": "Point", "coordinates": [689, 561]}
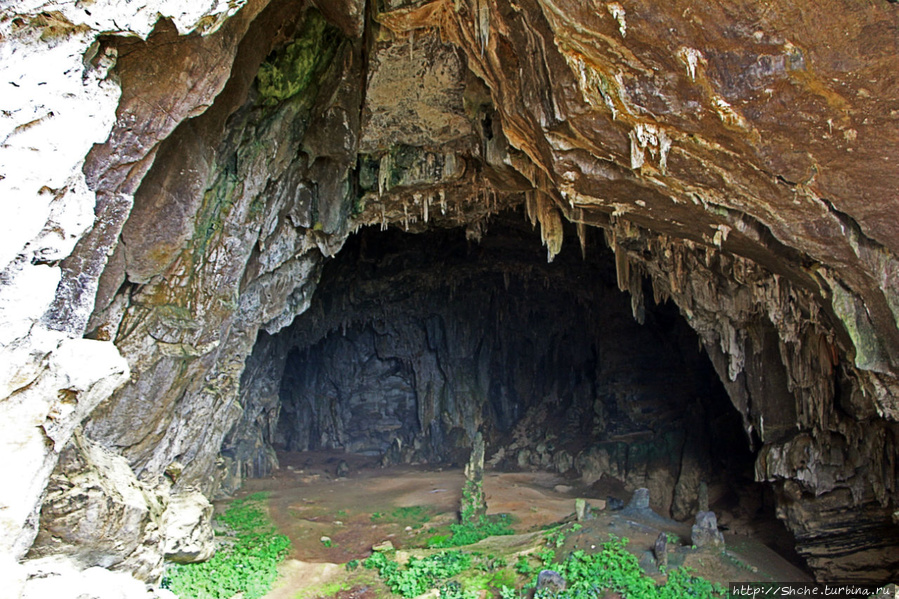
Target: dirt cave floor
{"type": "Point", "coordinates": [331, 520]}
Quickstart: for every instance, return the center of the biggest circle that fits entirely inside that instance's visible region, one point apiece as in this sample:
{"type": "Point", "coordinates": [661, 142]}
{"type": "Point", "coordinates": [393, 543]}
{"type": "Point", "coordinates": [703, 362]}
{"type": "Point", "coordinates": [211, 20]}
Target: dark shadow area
{"type": "Point", "coordinates": [412, 343]}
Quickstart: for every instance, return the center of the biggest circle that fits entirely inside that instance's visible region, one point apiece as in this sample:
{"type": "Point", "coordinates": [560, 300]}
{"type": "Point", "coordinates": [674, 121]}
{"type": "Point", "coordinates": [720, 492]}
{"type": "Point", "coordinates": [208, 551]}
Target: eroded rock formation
{"type": "Point", "coordinates": [174, 176]}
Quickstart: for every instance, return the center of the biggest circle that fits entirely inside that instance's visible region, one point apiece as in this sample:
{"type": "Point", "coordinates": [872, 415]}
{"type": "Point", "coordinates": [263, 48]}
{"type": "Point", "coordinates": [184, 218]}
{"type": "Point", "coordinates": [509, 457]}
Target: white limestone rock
{"type": "Point", "coordinates": [99, 514]}
{"type": "Point", "coordinates": [37, 421]}
{"type": "Point", "coordinates": [60, 578]}
{"type": "Point", "coordinates": [187, 526]}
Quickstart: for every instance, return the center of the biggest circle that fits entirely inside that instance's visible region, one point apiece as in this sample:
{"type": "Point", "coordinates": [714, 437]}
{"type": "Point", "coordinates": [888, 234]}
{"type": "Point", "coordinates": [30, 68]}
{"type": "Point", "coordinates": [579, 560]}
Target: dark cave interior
{"type": "Point", "coordinates": [415, 341]}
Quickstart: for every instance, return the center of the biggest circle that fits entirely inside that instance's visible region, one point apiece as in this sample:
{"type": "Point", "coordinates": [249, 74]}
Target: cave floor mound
{"type": "Point", "coordinates": [331, 520]}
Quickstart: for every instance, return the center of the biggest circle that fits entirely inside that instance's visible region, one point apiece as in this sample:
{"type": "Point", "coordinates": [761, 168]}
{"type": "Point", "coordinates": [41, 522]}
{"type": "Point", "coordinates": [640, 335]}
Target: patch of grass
{"type": "Point", "coordinates": [502, 578]}
{"type": "Point", "coordinates": [438, 541]}
{"type": "Point", "coordinates": [328, 589]}
{"type": "Point", "coordinates": [414, 516]}
{"type": "Point", "coordinates": [472, 531]}
{"type": "Point", "coordinates": [248, 565]}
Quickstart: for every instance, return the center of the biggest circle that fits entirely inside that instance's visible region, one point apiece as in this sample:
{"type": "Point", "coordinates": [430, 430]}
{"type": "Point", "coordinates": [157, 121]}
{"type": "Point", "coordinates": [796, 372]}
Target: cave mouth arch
{"type": "Point", "coordinates": [413, 342]}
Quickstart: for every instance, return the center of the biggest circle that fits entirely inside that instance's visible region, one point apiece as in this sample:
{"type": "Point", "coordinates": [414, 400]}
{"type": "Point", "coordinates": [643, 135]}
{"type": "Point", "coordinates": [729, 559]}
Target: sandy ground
{"type": "Point", "coordinates": [332, 520]}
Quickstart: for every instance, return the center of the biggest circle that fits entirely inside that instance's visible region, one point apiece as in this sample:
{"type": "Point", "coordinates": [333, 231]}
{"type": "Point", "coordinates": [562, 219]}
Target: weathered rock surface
{"type": "Point", "coordinates": [705, 534]}
{"type": "Point", "coordinates": [187, 528]}
{"type": "Point", "coordinates": [98, 514]}
{"type": "Point", "coordinates": [740, 156]}
{"type": "Point", "coordinates": [38, 419]}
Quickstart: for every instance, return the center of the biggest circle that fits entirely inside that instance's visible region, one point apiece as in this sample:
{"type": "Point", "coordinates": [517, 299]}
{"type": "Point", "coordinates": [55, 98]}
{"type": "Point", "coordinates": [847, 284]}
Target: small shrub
{"type": "Point", "coordinates": [524, 567]}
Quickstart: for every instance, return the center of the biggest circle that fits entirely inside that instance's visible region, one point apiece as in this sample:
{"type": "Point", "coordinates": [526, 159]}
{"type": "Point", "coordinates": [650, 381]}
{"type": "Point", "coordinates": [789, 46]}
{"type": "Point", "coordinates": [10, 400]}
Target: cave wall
{"type": "Point", "coordinates": [413, 343]}
{"type": "Point", "coordinates": [173, 176]}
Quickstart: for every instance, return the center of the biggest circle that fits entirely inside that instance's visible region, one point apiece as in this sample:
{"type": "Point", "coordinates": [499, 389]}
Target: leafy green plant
{"type": "Point", "coordinates": [454, 590]}
{"type": "Point", "coordinates": [614, 568]}
{"type": "Point", "coordinates": [524, 567]}
{"type": "Point", "coordinates": [246, 565]}
{"type": "Point", "coordinates": [682, 583]}
{"type": "Point", "coordinates": [352, 565]}
{"type": "Point", "coordinates": [490, 563]}
{"type": "Point", "coordinates": [556, 540]}
{"type": "Point", "coordinates": [547, 556]}
{"type": "Point", "coordinates": [421, 573]}
{"type": "Point", "coordinates": [508, 592]}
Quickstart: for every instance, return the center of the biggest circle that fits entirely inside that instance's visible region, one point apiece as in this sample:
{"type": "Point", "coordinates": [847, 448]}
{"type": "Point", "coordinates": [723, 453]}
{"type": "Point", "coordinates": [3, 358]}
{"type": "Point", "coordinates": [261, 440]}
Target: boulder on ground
{"type": "Point", "coordinates": [705, 532]}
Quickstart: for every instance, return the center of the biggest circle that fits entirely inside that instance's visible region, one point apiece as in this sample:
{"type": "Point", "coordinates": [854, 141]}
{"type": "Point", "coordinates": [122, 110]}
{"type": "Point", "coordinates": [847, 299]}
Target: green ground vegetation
{"type": "Point", "coordinates": [414, 516]}
{"type": "Point", "coordinates": [468, 532]}
{"type": "Point", "coordinates": [460, 574]}
{"type": "Point", "coordinates": [246, 559]}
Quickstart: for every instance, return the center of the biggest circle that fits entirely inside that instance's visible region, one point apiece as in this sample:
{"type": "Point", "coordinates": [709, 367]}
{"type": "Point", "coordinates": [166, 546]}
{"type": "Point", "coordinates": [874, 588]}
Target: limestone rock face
{"type": "Point", "coordinates": [39, 417]}
{"type": "Point", "coordinates": [187, 528]}
{"type": "Point", "coordinates": [97, 513]}
{"type": "Point", "coordinates": [173, 175]}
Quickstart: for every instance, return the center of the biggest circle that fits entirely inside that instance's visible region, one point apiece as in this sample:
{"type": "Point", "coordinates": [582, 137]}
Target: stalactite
{"type": "Point", "coordinates": [483, 24]}
{"type": "Point", "coordinates": [384, 174]}
{"type": "Point", "coordinates": [582, 236]}
{"type": "Point", "coordinates": [530, 203]}
{"type": "Point", "coordinates": [551, 231]}
{"type": "Point", "coordinates": [635, 287]}
{"type": "Point", "coordinates": [622, 266]}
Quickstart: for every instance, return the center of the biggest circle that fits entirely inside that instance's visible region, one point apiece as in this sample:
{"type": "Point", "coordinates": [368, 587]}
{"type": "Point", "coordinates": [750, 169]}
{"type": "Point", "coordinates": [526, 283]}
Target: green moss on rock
{"type": "Point", "coordinates": [295, 67]}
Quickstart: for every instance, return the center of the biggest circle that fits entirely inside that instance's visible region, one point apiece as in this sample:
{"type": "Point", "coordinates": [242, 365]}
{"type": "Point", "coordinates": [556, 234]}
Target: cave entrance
{"type": "Point", "coordinates": [414, 342]}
